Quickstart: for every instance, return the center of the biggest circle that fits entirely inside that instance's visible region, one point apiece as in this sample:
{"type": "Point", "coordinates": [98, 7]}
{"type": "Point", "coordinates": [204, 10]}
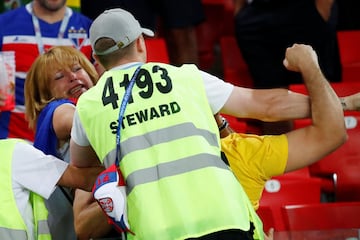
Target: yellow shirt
{"type": "Point", "coordinates": [255, 159]}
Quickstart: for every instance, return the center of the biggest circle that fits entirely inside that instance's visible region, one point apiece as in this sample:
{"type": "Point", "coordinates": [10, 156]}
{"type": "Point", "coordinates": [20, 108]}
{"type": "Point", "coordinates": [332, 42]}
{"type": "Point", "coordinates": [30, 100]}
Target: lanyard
{"type": "Point", "coordinates": [124, 103]}
{"type": "Point", "coordinates": [36, 25]}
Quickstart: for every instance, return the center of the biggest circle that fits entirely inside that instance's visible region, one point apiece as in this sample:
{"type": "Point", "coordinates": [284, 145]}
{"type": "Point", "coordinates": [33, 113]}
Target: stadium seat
{"type": "Point", "coordinates": [209, 32]}
{"type": "Point", "coordinates": [322, 216]}
{"type": "Point", "coordinates": [234, 67]}
{"type": "Point", "coordinates": [300, 173]}
{"type": "Point", "coordinates": [156, 50]}
{"type": "Point", "coordinates": [339, 171]}
{"type": "Point", "coordinates": [349, 49]}
{"type": "Point", "coordinates": [266, 215]}
{"type": "Point", "coordinates": [236, 124]}
{"type": "Point", "coordinates": [341, 88]}
{"type": "Point", "coordinates": [285, 190]}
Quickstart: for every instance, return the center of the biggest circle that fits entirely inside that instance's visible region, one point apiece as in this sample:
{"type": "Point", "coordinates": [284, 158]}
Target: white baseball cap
{"type": "Point", "coordinates": [120, 26]}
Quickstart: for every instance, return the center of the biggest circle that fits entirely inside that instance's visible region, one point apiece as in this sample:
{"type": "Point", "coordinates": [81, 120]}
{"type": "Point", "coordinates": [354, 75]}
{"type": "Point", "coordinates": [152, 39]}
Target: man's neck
{"type": "Point", "coordinates": [47, 15]}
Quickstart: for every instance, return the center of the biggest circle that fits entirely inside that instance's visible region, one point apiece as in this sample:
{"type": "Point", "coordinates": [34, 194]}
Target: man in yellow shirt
{"type": "Point", "coordinates": [255, 159]}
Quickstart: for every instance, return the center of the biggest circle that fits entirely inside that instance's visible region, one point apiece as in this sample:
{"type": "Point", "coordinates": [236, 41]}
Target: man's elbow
{"type": "Point", "coordinates": [338, 135]}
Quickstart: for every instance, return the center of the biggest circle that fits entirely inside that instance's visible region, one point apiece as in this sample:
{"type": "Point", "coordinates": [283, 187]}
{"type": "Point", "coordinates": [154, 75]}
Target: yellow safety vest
{"type": "Point", "coordinates": [12, 225]}
{"type": "Point", "coordinates": [177, 185]}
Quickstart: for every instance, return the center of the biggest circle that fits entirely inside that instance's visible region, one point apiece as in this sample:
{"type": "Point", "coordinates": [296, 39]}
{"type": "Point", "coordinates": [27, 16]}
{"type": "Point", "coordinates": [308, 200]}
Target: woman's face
{"type": "Point", "coordinates": [70, 82]}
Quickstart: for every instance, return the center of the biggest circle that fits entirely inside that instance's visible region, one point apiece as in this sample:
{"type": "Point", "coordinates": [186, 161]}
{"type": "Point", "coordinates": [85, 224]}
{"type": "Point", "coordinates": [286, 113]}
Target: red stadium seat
{"type": "Point", "coordinates": [339, 170]}
{"type": "Point", "coordinates": [321, 216]}
{"type": "Point", "coordinates": [349, 49]}
{"type": "Point", "coordinates": [266, 215]}
{"type": "Point", "coordinates": [234, 66]}
{"type": "Point", "coordinates": [156, 50]}
{"type": "Point", "coordinates": [285, 190]}
{"type": "Point", "coordinates": [236, 124]}
{"type": "Point", "coordinates": [341, 88]}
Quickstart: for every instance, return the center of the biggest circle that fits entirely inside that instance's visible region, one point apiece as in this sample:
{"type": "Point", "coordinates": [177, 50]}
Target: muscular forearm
{"type": "Point", "coordinates": [327, 130]}
{"type": "Point", "coordinates": [268, 105]}
{"type": "Point", "coordinates": [322, 118]}
{"type": "Point", "coordinates": [287, 106]}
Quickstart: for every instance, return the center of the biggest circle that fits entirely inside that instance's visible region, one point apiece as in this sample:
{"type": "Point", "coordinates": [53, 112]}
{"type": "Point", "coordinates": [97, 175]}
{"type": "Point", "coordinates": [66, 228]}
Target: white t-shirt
{"type": "Point", "coordinates": [33, 171]}
{"type": "Point", "coordinates": [217, 92]}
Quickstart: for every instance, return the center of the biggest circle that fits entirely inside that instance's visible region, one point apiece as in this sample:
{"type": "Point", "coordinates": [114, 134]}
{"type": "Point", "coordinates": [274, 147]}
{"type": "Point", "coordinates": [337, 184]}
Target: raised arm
{"type": "Point", "coordinates": [327, 131]}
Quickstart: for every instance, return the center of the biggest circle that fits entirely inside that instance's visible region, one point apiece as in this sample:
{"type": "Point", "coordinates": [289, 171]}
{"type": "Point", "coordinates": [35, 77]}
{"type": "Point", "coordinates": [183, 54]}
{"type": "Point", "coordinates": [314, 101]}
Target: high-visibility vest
{"type": "Point", "coordinates": [12, 225]}
{"type": "Point", "coordinates": [177, 185]}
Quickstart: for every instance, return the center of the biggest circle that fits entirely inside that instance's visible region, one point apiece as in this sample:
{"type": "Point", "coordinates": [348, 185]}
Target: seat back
{"type": "Point", "coordinates": [341, 88]}
{"type": "Point", "coordinates": [340, 169]}
{"type": "Point", "coordinates": [156, 50]}
{"type": "Point", "coordinates": [322, 216]}
{"type": "Point", "coordinates": [349, 49]}
{"type": "Point", "coordinates": [266, 215]}
{"type": "Point", "coordinates": [287, 190]}
{"type": "Point", "coordinates": [234, 67]}
{"type": "Point", "coordinates": [236, 124]}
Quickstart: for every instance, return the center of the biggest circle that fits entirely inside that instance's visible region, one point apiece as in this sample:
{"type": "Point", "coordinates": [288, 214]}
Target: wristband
{"type": "Point", "coordinates": [224, 124]}
{"type": "Point", "coordinates": [343, 103]}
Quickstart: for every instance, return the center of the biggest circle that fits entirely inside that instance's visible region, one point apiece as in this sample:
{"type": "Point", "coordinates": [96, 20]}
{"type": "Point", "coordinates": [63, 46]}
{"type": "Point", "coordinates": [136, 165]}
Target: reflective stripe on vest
{"type": "Point", "coordinates": [173, 168]}
{"type": "Point", "coordinates": [161, 136]}
{"type": "Point", "coordinates": [40, 213]}
{"type": "Point", "coordinates": [12, 225]}
{"type": "Point", "coordinates": [179, 187]}
{"type": "Point", "coordinates": [7, 233]}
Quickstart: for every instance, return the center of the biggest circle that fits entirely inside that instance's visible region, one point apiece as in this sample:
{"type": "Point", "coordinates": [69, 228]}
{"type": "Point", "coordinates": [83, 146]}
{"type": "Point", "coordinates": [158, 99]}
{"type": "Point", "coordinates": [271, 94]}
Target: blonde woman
{"type": "Point", "coordinates": [54, 82]}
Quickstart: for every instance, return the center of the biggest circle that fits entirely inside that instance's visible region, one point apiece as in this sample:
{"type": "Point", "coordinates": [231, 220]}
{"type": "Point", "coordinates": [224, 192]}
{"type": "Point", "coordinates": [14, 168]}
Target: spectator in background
{"type": "Point", "coordinates": [54, 82]}
{"type": "Point", "coordinates": [175, 20]}
{"type": "Point", "coordinates": [29, 31]}
{"type": "Point", "coordinates": [265, 28]}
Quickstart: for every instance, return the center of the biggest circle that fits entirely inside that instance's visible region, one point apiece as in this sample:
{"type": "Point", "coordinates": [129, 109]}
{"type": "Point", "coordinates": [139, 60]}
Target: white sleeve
{"type": "Point", "coordinates": [217, 91]}
{"type": "Point", "coordinates": [78, 134]}
{"type": "Point", "coordinates": [35, 171]}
